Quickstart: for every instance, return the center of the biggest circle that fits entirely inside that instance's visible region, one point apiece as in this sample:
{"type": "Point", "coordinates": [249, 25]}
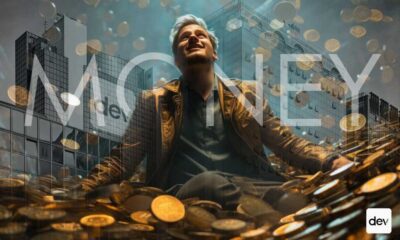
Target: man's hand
{"type": "Point", "coordinates": [339, 162]}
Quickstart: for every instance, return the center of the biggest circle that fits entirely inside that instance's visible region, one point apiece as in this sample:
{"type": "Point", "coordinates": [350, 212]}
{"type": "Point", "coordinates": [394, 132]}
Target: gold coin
{"type": "Point", "coordinates": [387, 74]}
{"type": "Point", "coordinates": [228, 225]}
{"type": "Point", "coordinates": [19, 95]}
{"type": "Point", "coordinates": [298, 19]}
{"type": "Point", "coordinates": [141, 227]}
{"type": "Point", "coordinates": [287, 219]}
{"type": "Point", "coordinates": [141, 216]}
{"type": "Point", "coordinates": [66, 227]}
{"type": "Point", "coordinates": [378, 183]}
{"type": "Point", "coordinates": [305, 62]}
{"type": "Point", "coordinates": [254, 233]}
{"type": "Point", "coordinates": [70, 144]}
{"type": "Point", "coordinates": [326, 188]}
{"type": "Point", "coordinates": [12, 228]}
{"type": "Point", "coordinates": [346, 15]}
{"type": "Point", "coordinates": [276, 24]}
{"type": "Point", "coordinates": [285, 11]}
{"type": "Point", "coordinates": [352, 122]}
{"type": "Point", "coordinates": [289, 229]}
{"type": "Point", "coordinates": [376, 15]}
{"type": "Point", "coordinates": [387, 19]}
{"type": "Point", "coordinates": [11, 183]}
{"type": "Point", "coordinates": [97, 220]}
{"type": "Point", "coordinates": [311, 35]}
{"type": "Point", "coordinates": [123, 29]}
{"type": "Point", "coordinates": [268, 40]}
{"type": "Point", "coordinates": [302, 99]}
{"type": "Point", "coordinates": [93, 46]}
{"type": "Point", "coordinates": [328, 121]}
{"type": "Point", "coordinates": [361, 13]}
{"type": "Point", "coordinates": [168, 208]}
{"type": "Point", "coordinates": [358, 31]}
{"type": "Point", "coordinates": [373, 45]}
{"type": "Point", "coordinates": [332, 45]}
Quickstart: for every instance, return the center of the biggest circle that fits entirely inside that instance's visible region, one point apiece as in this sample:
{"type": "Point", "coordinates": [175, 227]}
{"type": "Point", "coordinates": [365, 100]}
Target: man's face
{"type": "Point", "coordinates": [194, 47]}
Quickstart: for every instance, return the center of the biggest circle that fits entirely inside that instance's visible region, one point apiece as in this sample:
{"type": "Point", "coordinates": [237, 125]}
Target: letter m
{"type": "Point", "coordinates": [89, 74]}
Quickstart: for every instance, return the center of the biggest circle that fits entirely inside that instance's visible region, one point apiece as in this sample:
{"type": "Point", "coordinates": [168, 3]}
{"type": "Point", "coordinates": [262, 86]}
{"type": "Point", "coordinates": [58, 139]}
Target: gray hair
{"type": "Point", "coordinates": [185, 20]}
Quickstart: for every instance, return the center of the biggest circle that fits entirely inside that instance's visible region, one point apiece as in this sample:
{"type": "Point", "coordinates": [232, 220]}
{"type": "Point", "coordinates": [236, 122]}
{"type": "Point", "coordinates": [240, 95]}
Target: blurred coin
{"type": "Point", "coordinates": [373, 45]}
{"type": "Point", "coordinates": [276, 24]}
{"type": "Point", "coordinates": [137, 202]}
{"type": "Point", "coordinates": [41, 214]}
{"type": "Point", "coordinates": [379, 183]}
{"type": "Point", "coordinates": [338, 223]}
{"type": "Point", "coordinates": [70, 144]}
{"type": "Point", "coordinates": [361, 13]}
{"type": "Point", "coordinates": [141, 216]}
{"type": "Point", "coordinates": [233, 24]}
{"type": "Point", "coordinates": [108, 15]}
{"type": "Point", "coordinates": [376, 15]}
{"type": "Point", "coordinates": [208, 205]}
{"type": "Point", "coordinates": [277, 90]}
{"type": "Point", "coordinates": [228, 225]}
{"type": "Point", "coordinates": [285, 11]}
{"type": "Point", "coordinates": [387, 19]}
{"type": "Point", "coordinates": [53, 34]}
{"type": "Point", "coordinates": [387, 74]}
{"type": "Point", "coordinates": [346, 15]}
{"type": "Point", "coordinates": [352, 122]}
{"type": "Point", "coordinates": [287, 219]}
{"type": "Point", "coordinates": [93, 46]}
{"type": "Point", "coordinates": [19, 95]}
{"type": "Point", "coordinates": [11, 184]}
{"type": "Point", "coordinates": [289, 229]}
{"type": "Point", "coordinates": [141, 227]}
{"type": "Point", "coordinates": [311, 35]}
{"type": "Point", "coordinates": [265, 52]}
{"type": "Point", "coordinates": [268, 40]}
{"type": "Point", "coordinates": [358, 31]}
{"type": "Point", "coordinates": [97, 220]}
{"type": "Point", "coordinates": [298, 19]}
{"type": "Point", "coordinates": [302, 99]}
{"type": "Point", "coordinates": [12, 228]}
{"type": "Point", "coordinates": [47, 9]}
{"type": "Point", "coordinates": [341, 171]}
{"type": "Point", "coordinates": [326, 189]}
{"type": "Point", "coordinates": [139, 43]}
{"type": "Point", "coordinates": [111, 48]}
{"type": "Point", "coordinates": [66, 226]}
{"type": "Point", "coordinates": [123, 29]}
{"type": "Point", "coordinates": [4, 213]}
{"type": "Point", "coordinates": [332, 45]}
{"type": "Point", "coordinates": [81, 49]}
{"type": "Point", "coordinates": [167, 208]}
{"type": "Point", "coordinates": [257, 233]}
{"type": "Point", "coordinates": [305, 62]}
{"type": "Point", "coordinates": [327, 121]}
{"type": "Point", "coordinates": [143, 3]}
{"type": "Point", "coordinates": [199, 217]}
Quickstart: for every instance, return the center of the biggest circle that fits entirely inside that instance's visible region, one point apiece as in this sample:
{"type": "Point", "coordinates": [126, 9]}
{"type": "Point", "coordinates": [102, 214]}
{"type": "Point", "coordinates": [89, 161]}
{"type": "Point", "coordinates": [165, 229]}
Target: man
{"type": "Point", "coordinates": [186, 157]}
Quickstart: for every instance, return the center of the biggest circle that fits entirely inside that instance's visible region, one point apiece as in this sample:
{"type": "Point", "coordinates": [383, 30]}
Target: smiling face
{"type": "Point", "coordinates": [194, 47]}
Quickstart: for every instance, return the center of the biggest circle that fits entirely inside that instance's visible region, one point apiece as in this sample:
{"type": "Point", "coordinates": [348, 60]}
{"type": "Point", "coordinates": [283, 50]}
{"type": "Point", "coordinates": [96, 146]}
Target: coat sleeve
{"type": "Point", "coordinates": [125, 157]}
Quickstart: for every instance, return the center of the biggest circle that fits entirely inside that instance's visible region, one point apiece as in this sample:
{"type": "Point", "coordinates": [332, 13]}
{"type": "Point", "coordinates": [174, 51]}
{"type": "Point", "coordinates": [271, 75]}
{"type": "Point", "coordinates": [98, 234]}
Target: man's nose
{"type": "Point", "coordinates": [193, 38]}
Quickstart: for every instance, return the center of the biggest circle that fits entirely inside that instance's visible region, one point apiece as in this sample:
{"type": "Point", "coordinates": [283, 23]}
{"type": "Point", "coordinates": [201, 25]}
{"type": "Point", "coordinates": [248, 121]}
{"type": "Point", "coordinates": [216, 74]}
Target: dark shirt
{"type": "Point", "coordinates": [203, 148]}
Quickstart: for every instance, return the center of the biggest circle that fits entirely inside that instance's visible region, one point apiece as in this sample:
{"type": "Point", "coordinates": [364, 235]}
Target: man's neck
{"type": "Point", "coordinates": [201, 80]}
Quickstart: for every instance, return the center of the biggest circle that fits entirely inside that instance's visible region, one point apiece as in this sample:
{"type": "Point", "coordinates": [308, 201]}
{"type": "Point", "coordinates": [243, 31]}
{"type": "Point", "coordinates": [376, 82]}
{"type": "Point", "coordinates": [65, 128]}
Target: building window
{"type": "Point", "coordinates": [69, 159]}
{"type": "Point", "coordinates": [57, 155]}
{"type": "Point", "coordinates": [31, 148]}
{"type": "Point", "coordinates": [17, 119]}
{"type": "Point", "coordinates": [5, 160]}
{"type": "Point", "coordinates": [91, 162]}
{"type": "Point", "coordinates": [56, 133]}
{"type": "Point", "coordinates": [81, 140]}
{"type": "Point", "coordinates": [44, 168]}
{"type": "Point", "coordinates": [32, 130]}
{"type": "Point", "coordinates": [4, 118]}
{"type": "Point", "coordinates": [104, 147]}
{"type": "Point", "coordinates": [44, 130]}
{"type": "Point", "coordinates": [44, 151]}
{"type": "Point", "coordinates": [31, 166]}
{"type": "Point", "coordinates": [17, 143]}
{"type": "Point", "coordinates": [92, 141]}
{"type": "Point", "coordinates": [17, 163]}
{"type": "Point", "coordinates": [81, 161]}
{"type": "Point", "coordinates": [5, 140]}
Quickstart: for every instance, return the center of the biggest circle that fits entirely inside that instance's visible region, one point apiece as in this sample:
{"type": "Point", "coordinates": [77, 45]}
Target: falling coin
{"type": "Point", "coordinates": [387, 19]}
{"type": "Point", "coordinates": [139, 43]}
{"type": "Point", "coordinates": [358, 31]}
{"type": "Point", "coordinates": [70, 144]}
{"type": "Point", "coordinates": [311, 35]}
{"type": "Point", "coordinates": [268, 40]}
{"type": "Point", "coordinates": [66, 227]}
{"type": "Point", "coordinates": [352, 122]}
{"type": "Point", "coordinates": [376, 15]}
{"type": "Point", "coordinates": [123, 29]}
{"type": "Point", "coordinates": [97, 220]}
{"type": "Point", "coordinates": [387, 74]}
{"type": "Point", "coordinates": [346, 15]}
{"type": "Point", "coordinates": [298, 19]}
{"type": "Point", "coordinates": [19, 95]}
{"type": "Point", "coordinates": [111, 48]}
{"type": "Point", "coordinates": [143, 3]}
{"type": "Point", "coordinates": [168, 208]}
{"type": "Point", "coordinates": [228, 225]}
{"type": "Point", "coordinates": [289, 229]}
{"type": "Point", "coordinates": [302, 99]}
{"type": "Point", "coordinates": [276, 24]}
{"type": "Point", "coordinates": [141, 216]}
{"type": "Point", "coordinates": [141, 227]}
{"type": "Point", "coordinates": [285, 11]}
{"type": "Point", "coordinates": [94, 46]}
{"type": "Point", "coordinates": [328, 121]}
{"type": "Point", "coordinates": [265, 52]}
{"type": "Point", "coordinates": [332, 45]}
{"type": "Point", "coordinates": [373, 45]}
{"type": "Point", "coordinates": [379, 183]}
{"type": "Point", "coordinates": [305, 62]}
{"type": "Point", "coordinates": [361, 13]}
{"type": "Point", "coordinates": [47, 9]}
{"type": "Point", "coordinates": [53, 34]}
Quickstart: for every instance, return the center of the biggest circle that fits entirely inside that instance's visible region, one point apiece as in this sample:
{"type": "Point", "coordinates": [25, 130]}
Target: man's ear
{"type": "Point", "coordinates": [215, 56]}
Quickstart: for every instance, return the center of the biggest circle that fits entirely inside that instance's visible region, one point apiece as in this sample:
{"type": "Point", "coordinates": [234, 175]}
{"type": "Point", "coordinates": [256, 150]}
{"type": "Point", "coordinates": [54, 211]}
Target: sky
{"type": "Point", "coordinates": [150, 21]}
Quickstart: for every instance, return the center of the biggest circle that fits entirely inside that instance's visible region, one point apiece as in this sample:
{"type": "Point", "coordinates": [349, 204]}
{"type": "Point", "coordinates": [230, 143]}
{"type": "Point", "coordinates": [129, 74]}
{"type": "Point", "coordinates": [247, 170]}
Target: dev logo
{"type": "Point", "coordinates": [379, 220]}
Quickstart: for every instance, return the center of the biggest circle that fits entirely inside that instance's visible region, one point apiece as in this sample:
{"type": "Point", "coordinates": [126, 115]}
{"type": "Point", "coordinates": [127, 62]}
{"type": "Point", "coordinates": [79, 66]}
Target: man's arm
{"type": "Point", "coordinates": [124, 158]}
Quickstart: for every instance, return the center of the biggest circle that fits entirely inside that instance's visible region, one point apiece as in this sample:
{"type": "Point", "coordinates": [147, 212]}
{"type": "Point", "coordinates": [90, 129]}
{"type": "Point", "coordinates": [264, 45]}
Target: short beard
{"type": "Point", "coordinates": [198, 60]}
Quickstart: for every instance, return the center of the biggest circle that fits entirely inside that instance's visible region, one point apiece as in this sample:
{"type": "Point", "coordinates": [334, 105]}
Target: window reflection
{"type": "Point", "coordinates": [44, 151]}
{"type": "Point", "coordinates": [31, 166]}
{"type": "Point", "coordinates": [56, 133]}
{"type": "Point", "coordinates": [4, 118]}
{"type": "Point", "coordinates": [104, 147]}
{"type": "Point", "coordinates": [57, 155]}
{"type": "Point", "coordinates": [17, 119]}
{"type": "Point", "coordinates": [81, 162]}
{"type": "Point", "coordinates": [17, 163]}
{"type": "Point", "coordinates": [81, 140]}
{"type": "Point", "coordinates": [32, 130]}
{"type": "Point", "coordinates": [69, 159]}
{"type": "Point", "coordinates": [5, 140]}
{"type": "Point", "coordinates": [31, 148]}
{"type": "Point", "coordinates": [93, 145]}
{"type": "Point", "coordinates": [91, 161]}
{"type": "Point", "coordinates": [44, 130]}
{"type": "Point", "coordinates": [5, 159]}
{"type": "Point", "coordinates": [17, 143]}
{"type": "Point", "coordinates": [44, 168]}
